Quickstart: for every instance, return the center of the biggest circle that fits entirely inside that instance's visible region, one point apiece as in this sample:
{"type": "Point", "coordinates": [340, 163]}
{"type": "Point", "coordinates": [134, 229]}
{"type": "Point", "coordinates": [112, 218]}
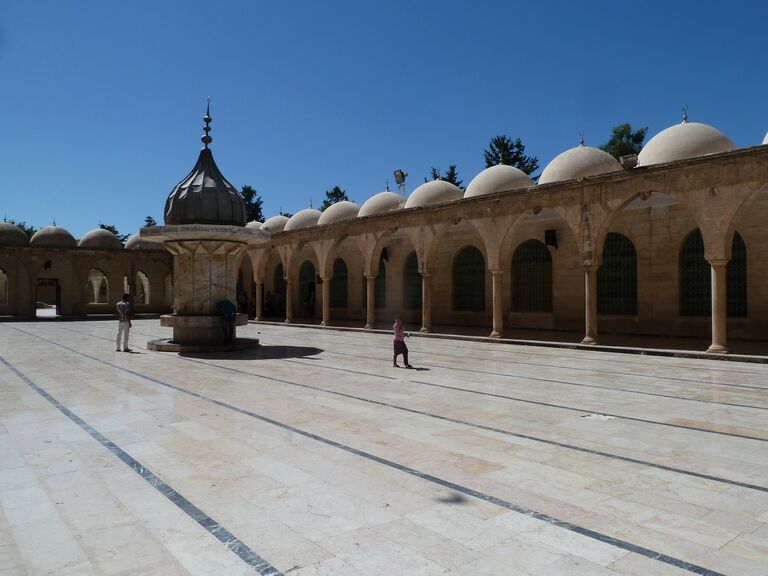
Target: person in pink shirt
{"type": "Point", "coordinates": [400, 347]}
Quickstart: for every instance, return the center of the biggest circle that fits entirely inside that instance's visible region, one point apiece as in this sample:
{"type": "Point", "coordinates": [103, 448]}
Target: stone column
{"type": "Point", "coordinates": [719, 307]}
{"type": "Point", "coordinates": [590, 305]}
{"type": "Point", "coordinates": [426, 303]}
{"type": "Point", "coordinates": [259, 300]}
{"type": "Point", "coordinates": [498, 304]}
{"type": "Point", "coordinates": [326, 300]}
{"type": "Point", "coordinates": [288, 300]}
{"type": "Point", "coordinates": [370, 301]}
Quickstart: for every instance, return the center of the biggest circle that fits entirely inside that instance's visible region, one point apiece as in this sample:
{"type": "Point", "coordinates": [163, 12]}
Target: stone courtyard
{"type": "Point", "coordinates": [312, 456]}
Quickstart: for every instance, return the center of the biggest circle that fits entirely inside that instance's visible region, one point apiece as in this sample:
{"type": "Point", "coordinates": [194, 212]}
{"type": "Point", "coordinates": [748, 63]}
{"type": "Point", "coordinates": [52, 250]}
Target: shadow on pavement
{"type": "Point", "coordinates": [260, 353]}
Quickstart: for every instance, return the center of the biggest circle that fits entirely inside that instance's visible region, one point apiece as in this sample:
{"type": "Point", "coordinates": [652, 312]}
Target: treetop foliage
{"type": "Point", "coordinates": [115, 231]}
{"type": "Point", "coordinates": [335, 194]}
{"type": "Point", "coordinates": [149, 221]}
{"type": "Point", "coordinates": [503, 150]}
{"type": "Point", "coordinates": [451, 175]}
{"type": "Point", "coordinates": [624, 142]}
{"type": "Point", "coordinates": [253, 204]}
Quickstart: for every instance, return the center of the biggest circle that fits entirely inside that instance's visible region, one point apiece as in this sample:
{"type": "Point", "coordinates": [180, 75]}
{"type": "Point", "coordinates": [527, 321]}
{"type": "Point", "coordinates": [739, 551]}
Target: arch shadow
{"type": "Point", "coordinates": [260, 353]}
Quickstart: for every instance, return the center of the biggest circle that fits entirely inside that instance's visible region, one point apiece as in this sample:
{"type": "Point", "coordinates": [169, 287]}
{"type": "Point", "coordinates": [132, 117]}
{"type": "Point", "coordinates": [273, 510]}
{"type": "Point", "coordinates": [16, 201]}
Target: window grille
{"type": "Point", "coordinates": [380, 287]}
{"type": "Point", "coordinates": [469, 280]}
{"type": "Point", "coordinates": [339, 284]}
{"type": "Point", "coordinates": [532, 278]}
{"type": "Point", "coordinates": [411, 283]}
{"type": "Point", "coordinates": [617, 277]}
{"type": "Point", "coordinates": [695, 277]}
{"type": "Point", "coordinates": [736, 273]}
{"type": "Point", "coordinates": [3, 287]}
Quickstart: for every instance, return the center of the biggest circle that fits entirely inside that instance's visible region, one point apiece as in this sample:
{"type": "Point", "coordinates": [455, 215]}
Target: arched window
{"type": "Point", "coordinates": [142, 288]}
{"type": "Point", "coordinates": [98, 287]}
{"type": "Point", "coordinates": [380, 287]}
{"type": "Point", "coordinates": [168, 300]}
{"type": "Point", "coordinates": [532, 278]}
{"type": "Point", "coordinates": [3, 287]}
{"type": "Point", "coordinates": [339, 284]}
{"type": "Point", "coordinates": [469, 280]}
{"type": "Point", "coordinates": [411, 283]}
{"type": "Point", "coordinates": [617, 277]}
{"type": "Point", "coordinates": [307, 288]}
{"type": "Point", "coordinates": [279, 286]}
{"type": "Point", "coordinates": [695, 283]}
{"type": "Point", "coordinates": [736, 273]}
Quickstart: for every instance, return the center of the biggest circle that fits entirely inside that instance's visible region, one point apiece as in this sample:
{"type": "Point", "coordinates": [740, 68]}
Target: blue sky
{"type": "Point", "coordinates": [102, 100]}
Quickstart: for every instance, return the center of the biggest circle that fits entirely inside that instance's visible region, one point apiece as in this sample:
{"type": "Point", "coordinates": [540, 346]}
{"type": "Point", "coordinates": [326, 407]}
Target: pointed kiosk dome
{"type": "Point", "coordinates": [685, 140]}
{"type": "Point", "coordinates": [343, 210]}
{"type": "Point", "coordinates": [579, 162]}
{"type": "Point", "coordinates": [275, 223]}
{"type": "Point", "coordinates": [12, 235]}
{"type": "Point", "coordinates": [53, 237]}
{"type": "Point", "coordinates": [379, 203]}
{"type": "Point", "coordinates": [499, 178]}
{"type": "Point", "coordinates": [205, 196]}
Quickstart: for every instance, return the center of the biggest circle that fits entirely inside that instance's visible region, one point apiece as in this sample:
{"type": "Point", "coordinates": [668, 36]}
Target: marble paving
{"type": "Point", "coordinates": [314, 456]}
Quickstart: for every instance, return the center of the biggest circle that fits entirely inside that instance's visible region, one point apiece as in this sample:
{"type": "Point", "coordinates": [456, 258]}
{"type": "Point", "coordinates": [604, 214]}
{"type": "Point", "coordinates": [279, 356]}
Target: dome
{"type": "Point", "coordinates": [433, 192]}
{"type": "Point", "coordinates": [100, 239]}
{"type": "Point", "coordinates": [303, 219]}
{"type": "Point", "coordinates": [499, 178]}
{"type": "Point", "coordinates": [343, 210]}
{"type": "Point", "coordinates": [12, 235]}
{"type": "Point", "coordinates": [275, 224]}
{"type": "Point", "coordinates": [579, 162]}
{"type": "Point", "coordinates": [681, 141]}
{"type": "Point", "coordinates": [204, 196]}
{"type": "Point", "coordinates": [255, 224]}
{"type": "Point", "coordinates": [52, 237]}
{"type": "Point", "coordinates": [765, 140]}
{"type": "Point", "coordinates": [135, 243]}
{"type": "Point", "coordinates": [379, 203]}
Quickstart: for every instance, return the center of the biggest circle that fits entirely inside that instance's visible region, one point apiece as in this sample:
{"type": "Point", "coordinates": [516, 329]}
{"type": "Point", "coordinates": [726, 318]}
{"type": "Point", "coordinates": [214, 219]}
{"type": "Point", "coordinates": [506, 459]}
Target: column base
{"type": "Point", "coordinates": [287, 321]}
{"type": "Point", "coordinates": [717, 349]}
{"type": "Point", "coordinates": [495, 334]}
{"type": "Point", "coordinates": [589, 341]}
{"type": "Point", "coordinates": [424, 330]}
{"type": "Point", "coordinates": [368, 327]}
{"type": "Point", "coordinates": [323, 323]}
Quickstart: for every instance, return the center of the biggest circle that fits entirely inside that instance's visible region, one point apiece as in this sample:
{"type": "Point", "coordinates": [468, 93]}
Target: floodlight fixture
{"type": "Point", "coordinates": [400, 177]}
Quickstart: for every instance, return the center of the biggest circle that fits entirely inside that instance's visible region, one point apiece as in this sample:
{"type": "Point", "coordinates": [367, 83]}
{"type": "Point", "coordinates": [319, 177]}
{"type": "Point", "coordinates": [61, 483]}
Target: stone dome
{"type": "Point", "coordinates": [275, 223]}
{"type": "Point", "coordinates": [100, 239]}
{"type": "Point", "coordinates": [12, 235]}
{"type": "Point", "coordinates": [303, 219]}
{"type": "Point", "coordinates": [499, 178]}
{"type": "Point", "coordinates": [579, 162]}
{"type": "Point", "coordinates": [379, 203]}
{"type": "Point", "coordinates": [433, 192]}
{"type": "Point", "coordinates": [136, 243]}
{"type": "Point", "coordinates": [765, 140]}
{"type": "Point", "coordinates": [681, 141]}
{"type": "Point", "coordinates": [255, 224]}
{"type": "Point", "coordinates": [52, 237]}
{"type": "Point", "coordinates": [343, 210]}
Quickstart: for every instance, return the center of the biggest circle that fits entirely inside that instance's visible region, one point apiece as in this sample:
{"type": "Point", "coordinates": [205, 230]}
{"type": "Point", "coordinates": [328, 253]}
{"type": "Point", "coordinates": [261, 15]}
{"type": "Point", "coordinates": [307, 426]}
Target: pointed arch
{"type": "Point", "coordinates": [142, 288]}
{"type": "Point", "coordinates": [98, 287]}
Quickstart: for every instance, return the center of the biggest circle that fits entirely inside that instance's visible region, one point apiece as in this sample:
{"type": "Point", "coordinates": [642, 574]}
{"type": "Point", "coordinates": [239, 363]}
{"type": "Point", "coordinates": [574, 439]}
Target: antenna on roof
{"type": "Point", "coordinates": [581, 138]}
{"type": "Point", "coordinates": [685, 113]}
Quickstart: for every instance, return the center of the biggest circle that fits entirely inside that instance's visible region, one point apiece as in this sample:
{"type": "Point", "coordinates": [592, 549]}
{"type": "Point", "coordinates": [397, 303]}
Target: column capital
{"type": "Point", "coordinates": [718, 262]}
{"type": "Point", "coordinates": [370, 276]}
{"type": "Point", "coordinates": [496, 271]}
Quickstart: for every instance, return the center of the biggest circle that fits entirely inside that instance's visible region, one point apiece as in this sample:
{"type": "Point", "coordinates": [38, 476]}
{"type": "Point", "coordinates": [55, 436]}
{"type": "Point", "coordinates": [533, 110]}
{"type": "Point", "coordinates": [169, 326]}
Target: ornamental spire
{"type": "Point", "coordinates": [581, 138]}
{"type": "Point", "coordinates": [206, 139]}
{"type": "Point", "coordinates": [685, 113]}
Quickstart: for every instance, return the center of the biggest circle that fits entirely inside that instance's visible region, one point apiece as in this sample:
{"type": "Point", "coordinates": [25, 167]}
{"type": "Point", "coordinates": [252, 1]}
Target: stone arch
{"type": "Point", "coordinates": [142, 294]}
{"type": "Point", "coordinates": [97, 288]}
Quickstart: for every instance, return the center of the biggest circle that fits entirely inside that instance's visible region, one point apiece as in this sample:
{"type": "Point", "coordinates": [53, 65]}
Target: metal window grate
{"type": "Point", "coordinates": [380, 287]}
{"type": "Point", "coordinates": [617, 277]}
{"type": "Point", "coordinates": [412, 283]}
{"type": "Point", "coordinates": [736, 274]}
{"type": "Point", "coordinates": [532, 278]}
{"type": "Point", "coordinates": [339, 284]}
{"type": "Point", "coordinates": [695, 277]}
{"type": "Point", "coordinates": [469, 280]}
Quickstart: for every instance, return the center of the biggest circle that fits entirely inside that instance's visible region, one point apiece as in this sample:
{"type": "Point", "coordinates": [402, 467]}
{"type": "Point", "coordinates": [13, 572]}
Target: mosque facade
{"type": "Point", "coordinates": [670, 243]}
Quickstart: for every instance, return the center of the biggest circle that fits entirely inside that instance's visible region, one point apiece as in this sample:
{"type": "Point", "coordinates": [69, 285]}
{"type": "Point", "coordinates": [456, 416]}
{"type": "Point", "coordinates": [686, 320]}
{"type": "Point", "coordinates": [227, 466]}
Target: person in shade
{"type": "Point", "coordinates": [228, 313]}
{"type": "Point", "coordinates": [123, 322]}
{"type": "Point", "coordinates": [400, 347]}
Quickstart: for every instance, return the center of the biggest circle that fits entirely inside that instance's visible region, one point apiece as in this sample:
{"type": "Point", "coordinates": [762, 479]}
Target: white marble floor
{"type": "Point", "coordinates": [313, 456]}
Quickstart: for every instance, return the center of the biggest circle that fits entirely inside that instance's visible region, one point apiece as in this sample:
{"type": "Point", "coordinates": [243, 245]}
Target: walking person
{"type": "Point", "coordinates": [400, 347]}
{"type": "Point", "coordinates": [123, 322]}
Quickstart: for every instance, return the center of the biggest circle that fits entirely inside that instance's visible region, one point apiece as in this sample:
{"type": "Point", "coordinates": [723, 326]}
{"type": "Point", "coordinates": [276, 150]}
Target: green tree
{"type": "Point", "coordinates": [149, 221]}
{"type": "Point", "coordinates": [286, 214]}
{"type": "Point", "coordinates": [253, 204]}
{"type": "Point", "coordinates": [451, 175]}
{"type": "Point", "coordinates": [624, 142]}
{"type": "Point", "coordinates": [114, 230]}
{"type": "Point", "coordinates": [332, 196]}
{"type": "Point", "coordinates": [26, 228]}
{"type": "Point", "coordinates": [504, 150]}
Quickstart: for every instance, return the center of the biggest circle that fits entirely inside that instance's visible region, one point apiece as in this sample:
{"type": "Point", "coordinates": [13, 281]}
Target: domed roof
{"type": "Point", "coordinates": [254, 224]}
{"type": "Point", "coordinates": [100, 239]}
{"type": "Point", "coordinates": [343, 210]}
{"type": "Point", "coordinates": [681, 141]}
{"type": "Point", "coordinates": [52, 237]}
{"type": "Point", "coordinates": [379, 203]}
{"type": "Point", "coordinates": [135, 243]}
{"type": "Point", "coordinates": [275, 224]}
{"type": "Point", "coordinates": [765, 140]}
{"type": "Point", "coordinates": [204, 196]}
{"type": "Point", "coordinates": [433, 192]}
{"type": "Point", "coordinates": [499, 178]}
{"type": "Point", "coordinates": [12, 235]}
{"type": "Point", "coordinates": [579, 162]}
{"type": "Point", "coordinates": [303, 219]}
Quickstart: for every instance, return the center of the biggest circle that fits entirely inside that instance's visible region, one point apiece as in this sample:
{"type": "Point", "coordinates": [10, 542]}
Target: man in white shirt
{"type": "Point", "coordinates": [124, 322]}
